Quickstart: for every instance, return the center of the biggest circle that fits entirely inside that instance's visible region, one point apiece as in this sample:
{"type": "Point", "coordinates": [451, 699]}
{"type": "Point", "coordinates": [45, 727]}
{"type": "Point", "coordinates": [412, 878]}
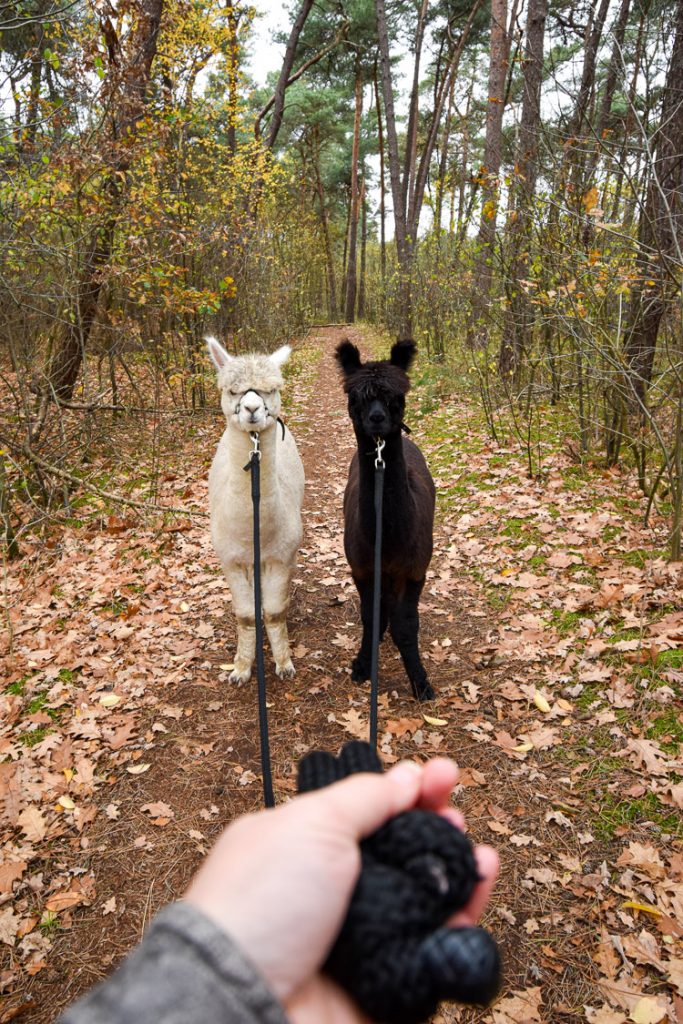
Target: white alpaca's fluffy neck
{"type": "Point", "coordinates": [240, 447]}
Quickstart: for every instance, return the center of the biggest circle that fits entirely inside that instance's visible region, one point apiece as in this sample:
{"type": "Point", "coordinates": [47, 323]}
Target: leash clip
{"type": "Point", "coordinates": [379, 461]}
{"type": "Point", "coordinates": [255, 453]}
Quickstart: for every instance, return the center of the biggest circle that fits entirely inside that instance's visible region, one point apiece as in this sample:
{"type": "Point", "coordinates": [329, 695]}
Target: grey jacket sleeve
{"type": "Point", "coordinates": [186, 969]}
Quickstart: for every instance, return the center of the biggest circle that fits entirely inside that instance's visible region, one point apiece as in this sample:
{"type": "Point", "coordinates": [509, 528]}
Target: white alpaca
{"type": "Point", "coordinates": [250, 398]}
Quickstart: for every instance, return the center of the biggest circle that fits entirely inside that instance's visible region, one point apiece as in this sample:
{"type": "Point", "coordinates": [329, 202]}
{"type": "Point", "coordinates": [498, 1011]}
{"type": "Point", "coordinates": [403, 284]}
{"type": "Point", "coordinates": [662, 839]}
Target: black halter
{"type": "Point", "coordinates": [269, 414]}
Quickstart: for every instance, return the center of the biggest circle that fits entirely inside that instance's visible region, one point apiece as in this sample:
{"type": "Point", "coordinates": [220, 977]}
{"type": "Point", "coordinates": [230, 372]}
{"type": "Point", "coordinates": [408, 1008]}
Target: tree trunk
{"type": "Point", "coordinates": [408, 194]}
{"type": "Point", "coordinates": [443, 160]}
{"type": "Point", "coordinates": [363, 245]}
{"type": "Point", "coordinates": [345, 253]}
{"type": "Point", "coordinates": [132, 80]}
{"type": "Point", "coordinates": [660, 235]}
{"type": "Point", "coordinates": [285, 72]}
{"type": "Point", "coordinates": [518, 317]}
{"type": "Point", "coordinates": [329, 258]}
{"type": "Point", "coordinates": [604, 116]}
{"type": "Point", "coordinates": [579, 137]}
{"type": "Point", "coordinates": [403, 249]}
{"type": "Point", "coordinates": [32, 109]}
{"type": "Point", "coordinates": [493, 147]}
{"type": "Point", "coordinates": [352, 264]}
{"type": "Point", "coordinates": [501, 38]}
{"type": "Point", "coordinates": [382, 192]}
{"type": "Point", "coordinates": [410, 156]}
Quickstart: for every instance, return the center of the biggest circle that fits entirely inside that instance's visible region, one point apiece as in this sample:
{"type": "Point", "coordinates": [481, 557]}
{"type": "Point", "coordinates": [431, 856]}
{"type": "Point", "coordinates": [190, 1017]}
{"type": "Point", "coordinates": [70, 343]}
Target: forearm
{"type": "Point", "coordinates": [186, 969]}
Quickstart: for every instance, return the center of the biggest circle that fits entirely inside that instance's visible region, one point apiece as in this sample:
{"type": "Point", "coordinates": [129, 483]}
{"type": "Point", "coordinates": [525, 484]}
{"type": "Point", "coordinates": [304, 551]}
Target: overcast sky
{"type": "Point", "coordinates": [266, 55]}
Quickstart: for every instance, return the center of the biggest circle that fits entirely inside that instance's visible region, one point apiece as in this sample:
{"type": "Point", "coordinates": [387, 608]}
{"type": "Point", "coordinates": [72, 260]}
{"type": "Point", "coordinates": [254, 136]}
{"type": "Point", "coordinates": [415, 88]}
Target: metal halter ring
{"type": "Point", "coordinates": [381, 444]}
{"type": "Point", "coordinates": [255, 441]}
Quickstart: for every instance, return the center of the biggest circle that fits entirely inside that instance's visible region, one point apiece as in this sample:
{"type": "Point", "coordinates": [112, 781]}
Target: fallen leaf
{"type": "Point", "coordinates": [10, 871]}
{"type": "Point", "coordinates": [604, 1015]}
{"type": "Point", "coordinates": [110, 700]}
{"type": "Point", "coordinates": [352, 721]}
{"type": "Point", "coordinates": [645, 858]}
{"type": "Point", "coordinates": [435, 721]}
{"type": "Point", "coordinates": [519, 1008]}
{"type": "Point", "coordinates": [9, 925]}
{"type": "Point", "coordinates": [137, 769]}
{"type": "Point", "coordinates": [644, 907]}
{"type": "Point", "coordinates": [403, 726]}
{"type": "Point", "coordinates": [158, 810]}
{"type": "Point", "coordinates": [32, 824]}
{"type": "Point", "coordinates": [647, 1011]}
{"type": "Point", "coordinates": [64, 900]}
{"type": "Point", "coordinates": [541, 703]}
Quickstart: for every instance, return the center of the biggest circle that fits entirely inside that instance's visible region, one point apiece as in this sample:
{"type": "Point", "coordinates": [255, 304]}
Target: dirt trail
{"type": "Point", "coordinates": [204, 765]}
{"type": "Point", "coordinates": [198, 733]}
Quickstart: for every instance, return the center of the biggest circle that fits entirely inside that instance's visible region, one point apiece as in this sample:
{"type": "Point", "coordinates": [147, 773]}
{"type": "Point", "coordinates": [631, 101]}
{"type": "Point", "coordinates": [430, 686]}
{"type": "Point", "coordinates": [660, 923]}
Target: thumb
{"type": "Point", "coordinates": [366, 800]}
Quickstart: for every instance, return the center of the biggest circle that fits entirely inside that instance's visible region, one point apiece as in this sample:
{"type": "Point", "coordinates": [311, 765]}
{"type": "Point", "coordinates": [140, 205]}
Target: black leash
{"type": "Point", "coordinates": [376, 591]}
{"type": "Point", "coordinates": [254, 465]}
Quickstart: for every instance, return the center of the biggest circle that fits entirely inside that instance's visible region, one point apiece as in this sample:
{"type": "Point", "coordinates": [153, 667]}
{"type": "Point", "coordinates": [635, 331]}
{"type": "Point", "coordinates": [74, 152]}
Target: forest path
{"type": "Point", "coordinates": [191, 738]}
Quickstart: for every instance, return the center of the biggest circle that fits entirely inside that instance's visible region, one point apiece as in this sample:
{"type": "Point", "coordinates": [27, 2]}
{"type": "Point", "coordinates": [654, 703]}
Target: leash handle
{"type": "Point", "coordinates": [255, 467]}
{"type": "Point", "coordinates": [376, 592]}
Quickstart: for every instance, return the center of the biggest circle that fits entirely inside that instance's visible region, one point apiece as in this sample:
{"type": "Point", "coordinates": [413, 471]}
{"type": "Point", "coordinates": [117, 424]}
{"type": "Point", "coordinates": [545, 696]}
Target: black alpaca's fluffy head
{"type": "Point", "coordinates": [376, 389]}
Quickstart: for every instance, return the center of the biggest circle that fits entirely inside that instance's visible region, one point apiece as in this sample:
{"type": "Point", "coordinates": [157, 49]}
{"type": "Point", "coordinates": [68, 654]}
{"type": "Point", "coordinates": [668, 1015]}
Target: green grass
{"type": "Point", "coordinates": [515, 528]}
{"type": "Point", "coordinates": [614, 812]}
{"type": "Point", "coordinates": [604, 766]}
{"type": "Point", "coordinates": [668, 729]}
{"type": "Point", "coordinates": [50, 923]}
{"type": "Point", "coordinates": [566, 622]}
{"type": "Point", "coordinates": [639, 557]}
{"type": "Point", "coordinates": [633, 633]}
{"type": "Point", "coordinates": [34, 736]}
{"type": "Point", "coordinates": [575, 478]}
{"type": "Point", "coordinates": [38, 704]}
{"type": "Point", "coordinates": [671, 659]}
{"type": "Point", "coordinates": [498, 597]}
{"type": "Point", "coordinates": [587, 697]}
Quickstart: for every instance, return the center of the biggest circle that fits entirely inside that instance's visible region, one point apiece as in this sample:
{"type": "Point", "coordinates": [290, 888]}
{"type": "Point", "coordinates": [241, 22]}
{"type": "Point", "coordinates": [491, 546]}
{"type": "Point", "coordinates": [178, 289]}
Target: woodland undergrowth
{"type": "Point", "coordinates": [552, 627]}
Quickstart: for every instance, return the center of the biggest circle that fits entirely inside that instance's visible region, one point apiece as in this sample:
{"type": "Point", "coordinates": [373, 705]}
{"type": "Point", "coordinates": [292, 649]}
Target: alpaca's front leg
{"type": "Point", "coordinates": [361, 664]}
{"type": "Point", "coordinates": [240, 579]}
{"type": "Point", "coordinates": [276, 581]}
{"type": "Point", "coordinates": [405, 626]}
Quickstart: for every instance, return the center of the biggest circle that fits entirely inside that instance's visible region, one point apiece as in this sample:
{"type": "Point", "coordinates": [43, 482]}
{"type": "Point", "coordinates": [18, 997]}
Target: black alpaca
{"type": "Point", "coordinates": [377, 393]}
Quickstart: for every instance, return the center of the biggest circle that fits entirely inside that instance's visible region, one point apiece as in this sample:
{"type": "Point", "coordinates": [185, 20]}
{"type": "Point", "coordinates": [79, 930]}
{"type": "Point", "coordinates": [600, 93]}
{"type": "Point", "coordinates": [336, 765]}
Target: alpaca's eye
{"type": "Point", "coordinates": [234, 394]}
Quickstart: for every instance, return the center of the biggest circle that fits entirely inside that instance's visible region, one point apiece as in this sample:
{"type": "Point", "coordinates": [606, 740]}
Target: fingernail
{"type": "Point", "coordinates": [405, 771]}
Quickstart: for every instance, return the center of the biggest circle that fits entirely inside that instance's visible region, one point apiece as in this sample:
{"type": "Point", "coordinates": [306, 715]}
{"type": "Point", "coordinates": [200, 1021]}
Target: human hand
{"type": "Point", "coordinates": [280, 881]}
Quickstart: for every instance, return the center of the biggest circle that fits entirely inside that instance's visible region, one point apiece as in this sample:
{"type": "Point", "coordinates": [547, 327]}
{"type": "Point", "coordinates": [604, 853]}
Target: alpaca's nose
{"type": "Point", "coordinates": [251, 404]}
{"type": "Point", "coordinates": [377, 416]}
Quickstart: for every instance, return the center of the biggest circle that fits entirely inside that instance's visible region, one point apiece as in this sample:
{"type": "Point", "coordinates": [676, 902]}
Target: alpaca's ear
{"type": "Point", "coordinates": [280, 355]}
{"type": "Point", "coordinates": [403, 353]}
{"type": "Point", "coordinates": [219, 357]}
{"type": "Point", "coordinates": [348, 357]}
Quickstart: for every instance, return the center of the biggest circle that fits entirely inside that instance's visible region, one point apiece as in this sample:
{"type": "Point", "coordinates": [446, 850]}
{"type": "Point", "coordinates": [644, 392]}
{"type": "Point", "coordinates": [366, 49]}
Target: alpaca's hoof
{"type": "Point", "coordinates": [360, 670]}
{"type": "Point", "coordinates": [286, 670]}
{"type": "Point", "coordinates": [240, 674]}
{"type": "Point", "coordinates": [424, 692]}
